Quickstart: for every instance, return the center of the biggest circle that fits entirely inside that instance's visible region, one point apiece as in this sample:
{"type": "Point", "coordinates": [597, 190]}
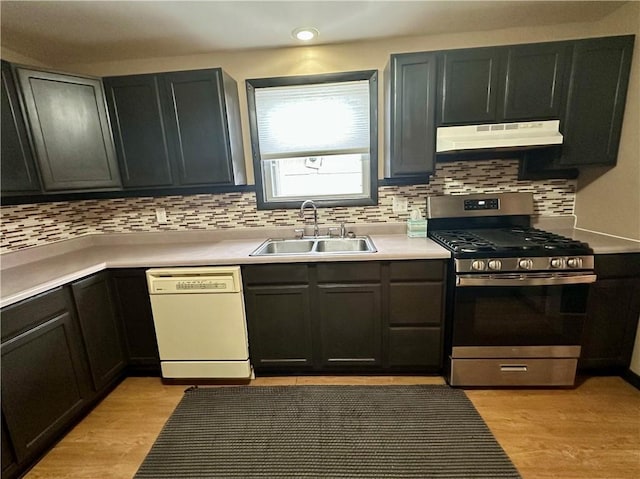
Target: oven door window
{"type": "Point", "coordinates": [519, 315]}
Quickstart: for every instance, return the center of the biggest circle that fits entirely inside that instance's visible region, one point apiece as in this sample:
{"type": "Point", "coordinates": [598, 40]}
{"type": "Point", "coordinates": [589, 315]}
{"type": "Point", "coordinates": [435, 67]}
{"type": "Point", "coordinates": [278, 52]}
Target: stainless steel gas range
{"type": "Point", "coordinates": [517, 295]}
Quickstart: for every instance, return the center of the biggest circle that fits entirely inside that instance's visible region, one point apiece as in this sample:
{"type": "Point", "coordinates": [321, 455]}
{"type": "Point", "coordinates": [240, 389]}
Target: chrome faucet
{"type": "Point", "coordinates": [316, 230]}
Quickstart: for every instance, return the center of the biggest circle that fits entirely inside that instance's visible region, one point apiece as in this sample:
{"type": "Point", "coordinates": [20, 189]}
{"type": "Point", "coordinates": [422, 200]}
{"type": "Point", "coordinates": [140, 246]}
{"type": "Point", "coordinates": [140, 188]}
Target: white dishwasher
{"type": "Point", "coordinates": [200, 322]}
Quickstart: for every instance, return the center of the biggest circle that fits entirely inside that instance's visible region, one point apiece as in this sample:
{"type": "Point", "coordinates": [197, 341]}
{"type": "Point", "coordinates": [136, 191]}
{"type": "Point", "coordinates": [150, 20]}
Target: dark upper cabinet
{"type": "Point", "coordinates": [138, 130]}
{"type": "Point", "coordinates": [177, 129]}
{"type": "Point", "coordinates": [596, 100]}
{"type": "Point", "coordinates": [410, 92]}
{"type": "Point", "coordinates": [519, 82]}
{"type": "Point", "coordinates": [100, 328]}
{"type": "Point", "coordinates": [70, 130]}
{"type": "Point", "coordinates": [469, 85]}
{"type": "Point", "coordinates": [18, 168]}
{"type": "Point", "coordinates": [534, 80]}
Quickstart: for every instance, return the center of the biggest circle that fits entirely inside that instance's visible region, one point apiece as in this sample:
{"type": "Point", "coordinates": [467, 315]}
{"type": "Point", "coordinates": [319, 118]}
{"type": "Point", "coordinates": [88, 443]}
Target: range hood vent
{"type": "Point", "coordinates": [498, 135]}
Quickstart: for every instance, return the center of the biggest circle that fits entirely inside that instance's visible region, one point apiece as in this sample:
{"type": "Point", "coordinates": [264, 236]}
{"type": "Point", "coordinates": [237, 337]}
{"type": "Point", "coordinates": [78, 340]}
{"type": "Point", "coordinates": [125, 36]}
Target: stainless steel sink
{"type": "Point", "coordinates": [343, 245]}
{"type": "Point", "coordinates": [279, 247]}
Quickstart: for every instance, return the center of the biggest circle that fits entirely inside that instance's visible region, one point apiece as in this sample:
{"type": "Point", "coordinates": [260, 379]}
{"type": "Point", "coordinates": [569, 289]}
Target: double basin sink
{"type": "Point", "coordinates": [278, 247]}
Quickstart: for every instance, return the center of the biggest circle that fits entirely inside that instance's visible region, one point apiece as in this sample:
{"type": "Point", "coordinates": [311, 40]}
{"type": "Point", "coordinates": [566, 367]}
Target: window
{"type": "Point", "coordinates": [315, 137]}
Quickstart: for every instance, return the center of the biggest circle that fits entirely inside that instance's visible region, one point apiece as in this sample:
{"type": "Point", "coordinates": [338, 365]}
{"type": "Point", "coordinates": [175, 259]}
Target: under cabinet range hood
{"type": "Point", "coordinates": [498, 135]}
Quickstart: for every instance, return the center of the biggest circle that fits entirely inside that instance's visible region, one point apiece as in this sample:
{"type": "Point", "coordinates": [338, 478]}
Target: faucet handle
{"type": "Point", "coordinates": [333, 230]}
{"type": "Point", "coordinates": [299, 232]}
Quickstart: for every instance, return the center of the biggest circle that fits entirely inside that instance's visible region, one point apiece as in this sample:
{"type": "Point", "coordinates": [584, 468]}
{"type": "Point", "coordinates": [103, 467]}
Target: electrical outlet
{"type": "Point", "coordinates": [161, 216]}
{"type": "Point", "coordinates": [399, 204]}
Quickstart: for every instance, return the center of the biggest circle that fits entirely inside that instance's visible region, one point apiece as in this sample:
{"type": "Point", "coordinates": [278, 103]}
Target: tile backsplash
{"type": "Point", "coordinates": [23, 226]}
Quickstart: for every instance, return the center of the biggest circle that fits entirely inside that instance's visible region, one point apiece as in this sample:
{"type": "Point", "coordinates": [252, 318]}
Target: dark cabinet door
{"type": "Point", "coordinates": [70, 130]}
{"type": "Point", "coordinates": [100, 328]}
{"type": "Point", "coordinates": [596, 100]}
{"type": "Point", "coordinates": [350, 325]}
{"type": "Point", "coordinates": [534, 81]}
{"type": "Point", "coordinates": [415, 315]}
{"type": "Point", "coordinates": [279, 326]}
{"type": "Point", "coordinates": [134, 308]}
{"type": "Point", "coordinates": [44, 382]}
{"type": "Point", "coordinates": [18, 173]}
{"type": "Point", "coordinates": [469, 90]}
{"type": "Point", "coordinates": [197, 127]}
{"type": "Point", "coordinates": [410, 88]}
{"type": "Point", "coordinates": [613, 310]}
{"type": "Point", "coordinates": [9, 465]}
{"type": "Point", "coordinates": [610, 328]}
{"type": "Point", "coordinates": [138, 130]}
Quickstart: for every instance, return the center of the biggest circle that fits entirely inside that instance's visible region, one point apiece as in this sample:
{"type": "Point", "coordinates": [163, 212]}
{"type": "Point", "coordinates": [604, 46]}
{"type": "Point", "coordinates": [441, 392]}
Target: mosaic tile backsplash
{"type": "Point", "coordinates": [24, 226]}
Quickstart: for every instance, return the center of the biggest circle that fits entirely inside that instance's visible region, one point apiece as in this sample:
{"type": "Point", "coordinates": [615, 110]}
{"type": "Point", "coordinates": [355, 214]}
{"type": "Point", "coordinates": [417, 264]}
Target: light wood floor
{"type": "Point", "coordinates": [590, 432]}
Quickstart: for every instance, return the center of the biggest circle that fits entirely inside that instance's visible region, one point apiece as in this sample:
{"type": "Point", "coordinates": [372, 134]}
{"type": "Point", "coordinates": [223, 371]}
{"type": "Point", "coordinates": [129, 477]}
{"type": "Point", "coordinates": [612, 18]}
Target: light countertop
{"type": "Point", "coordinates": [26, 273]}
{"type": "Point", "coordinates": [22, 278]}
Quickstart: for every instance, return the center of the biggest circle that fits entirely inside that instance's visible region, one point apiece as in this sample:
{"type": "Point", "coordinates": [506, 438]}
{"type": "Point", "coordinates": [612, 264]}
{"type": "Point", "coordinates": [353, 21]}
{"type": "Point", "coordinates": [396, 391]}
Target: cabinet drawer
{"type": "Point", "coordinates": [275, 274]}
{"type": "Point", "coordinates": [415, 303]}
{"type": "Point", "coordinates": [415, 347]}
{"type": "Point", "coordinates": [416, 270]}
{"type": "Point", "coordinates": [27, 314]}
{"type": "Point", "coordinates": [348, 272]}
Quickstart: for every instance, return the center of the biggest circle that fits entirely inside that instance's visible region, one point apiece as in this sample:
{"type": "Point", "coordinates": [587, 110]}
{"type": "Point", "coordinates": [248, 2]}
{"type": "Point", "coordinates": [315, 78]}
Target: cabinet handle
{"type": "Point", "coordinates": [513, 368]}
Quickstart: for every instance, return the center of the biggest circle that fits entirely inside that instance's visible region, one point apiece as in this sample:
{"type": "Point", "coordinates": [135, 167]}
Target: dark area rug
{"type": "Point", "coordinates": [326, 432]}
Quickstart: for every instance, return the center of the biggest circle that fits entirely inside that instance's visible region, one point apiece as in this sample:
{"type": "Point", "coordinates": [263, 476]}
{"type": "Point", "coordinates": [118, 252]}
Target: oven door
{"type": "Point", "coordinates": [518, 329]}
{"type": "Point", "coordinates": [520, 310]}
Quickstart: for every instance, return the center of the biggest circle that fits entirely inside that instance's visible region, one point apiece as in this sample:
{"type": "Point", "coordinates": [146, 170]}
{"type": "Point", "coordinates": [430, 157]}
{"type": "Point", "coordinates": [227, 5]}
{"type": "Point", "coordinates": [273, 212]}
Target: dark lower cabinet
{"type": "Point", "coordinates": [279, 323]}
{"type": "Point", "coordinates": [613, 310]}
{"type": "Point", "coordinates": [9, 465]}
{"type": "Point", "coordinates": [100, 328]}
{"type": "Point", "coordinates": [131, 297]}
{"type": "Point", "coordinates": [278, 307]}
{"type": "Point", "coordinates": [350, 322]}
{"type": "Point", "coordinates": [415, 315]}
{"type": "Point", "coordinates": [45, 384]}
{"type": "Point", "coordinates": [366, 316]}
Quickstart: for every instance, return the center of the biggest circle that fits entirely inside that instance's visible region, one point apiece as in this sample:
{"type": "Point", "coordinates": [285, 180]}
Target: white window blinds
{"type": "Point", "coordinates": [313, 120]}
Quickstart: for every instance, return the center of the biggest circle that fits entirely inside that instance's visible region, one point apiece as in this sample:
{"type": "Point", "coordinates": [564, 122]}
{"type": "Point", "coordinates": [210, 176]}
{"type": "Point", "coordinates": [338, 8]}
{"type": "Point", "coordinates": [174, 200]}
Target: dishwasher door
{"type": "Point", "coordinates": [200, 322]}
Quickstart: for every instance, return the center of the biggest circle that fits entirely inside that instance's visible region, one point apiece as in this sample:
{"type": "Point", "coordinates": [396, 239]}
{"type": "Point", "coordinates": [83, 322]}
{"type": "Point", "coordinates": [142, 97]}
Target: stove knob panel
{"type": "Point", "coordinates": [525, 263]}
{"type": "Point", "coordinates": [556, 263]}
{"type": "Point", "coordinates": [478, 265]}
{"type": "Point", "coordinates": [574, 262]}
{"type": "Point", "coordinates": [495, 264]}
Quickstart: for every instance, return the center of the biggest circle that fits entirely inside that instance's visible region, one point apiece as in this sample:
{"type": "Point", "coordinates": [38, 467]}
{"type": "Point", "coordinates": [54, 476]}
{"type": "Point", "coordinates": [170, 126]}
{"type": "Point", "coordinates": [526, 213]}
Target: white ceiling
{"type": "Point", "coordinates": [94, 31]}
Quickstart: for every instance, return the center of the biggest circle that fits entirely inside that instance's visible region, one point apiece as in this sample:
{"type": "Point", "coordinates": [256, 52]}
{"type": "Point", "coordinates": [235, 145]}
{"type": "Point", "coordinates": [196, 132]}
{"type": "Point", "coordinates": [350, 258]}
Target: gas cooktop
{"type": "Point", "coordinates": [509, 241]}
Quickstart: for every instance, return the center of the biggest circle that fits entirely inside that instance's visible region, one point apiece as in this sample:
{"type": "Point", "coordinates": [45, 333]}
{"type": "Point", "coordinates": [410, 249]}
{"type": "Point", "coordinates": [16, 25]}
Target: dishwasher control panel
{"type": "Point", "coordinates": [202, 284]}
{"type": "Point", "coordinates": [194, 280]}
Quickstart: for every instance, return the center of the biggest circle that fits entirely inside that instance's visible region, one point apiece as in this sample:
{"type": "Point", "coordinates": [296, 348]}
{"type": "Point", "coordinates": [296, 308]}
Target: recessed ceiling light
{"type": "Point", "coordinates": [304, 33]}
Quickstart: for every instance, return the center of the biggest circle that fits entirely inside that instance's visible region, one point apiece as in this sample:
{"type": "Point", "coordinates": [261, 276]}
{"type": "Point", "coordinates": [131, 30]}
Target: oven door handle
{"type": "Point", "coordinates": [524, 280]}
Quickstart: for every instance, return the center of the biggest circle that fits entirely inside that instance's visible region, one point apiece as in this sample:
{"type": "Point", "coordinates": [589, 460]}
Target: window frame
{"type": "Point", "coordinates": [372, 77]}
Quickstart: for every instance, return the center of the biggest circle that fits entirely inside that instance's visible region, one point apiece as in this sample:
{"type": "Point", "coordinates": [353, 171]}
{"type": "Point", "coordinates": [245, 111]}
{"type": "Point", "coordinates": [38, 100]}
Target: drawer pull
{"type": "Point", "coordinates": [513, 368]}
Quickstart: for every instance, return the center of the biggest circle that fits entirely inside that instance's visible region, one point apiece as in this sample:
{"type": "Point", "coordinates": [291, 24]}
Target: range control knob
{"type": "Point", "coordinates": [478, 265]}
{"type": "Point", "coordinates": [525, 263]}
{"type": "Point", "coordinates": [556, 263]}
{"type": "Point", "coordinates": [495, 264]}
{"type": "Point", "coordinates": [574, 262]}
